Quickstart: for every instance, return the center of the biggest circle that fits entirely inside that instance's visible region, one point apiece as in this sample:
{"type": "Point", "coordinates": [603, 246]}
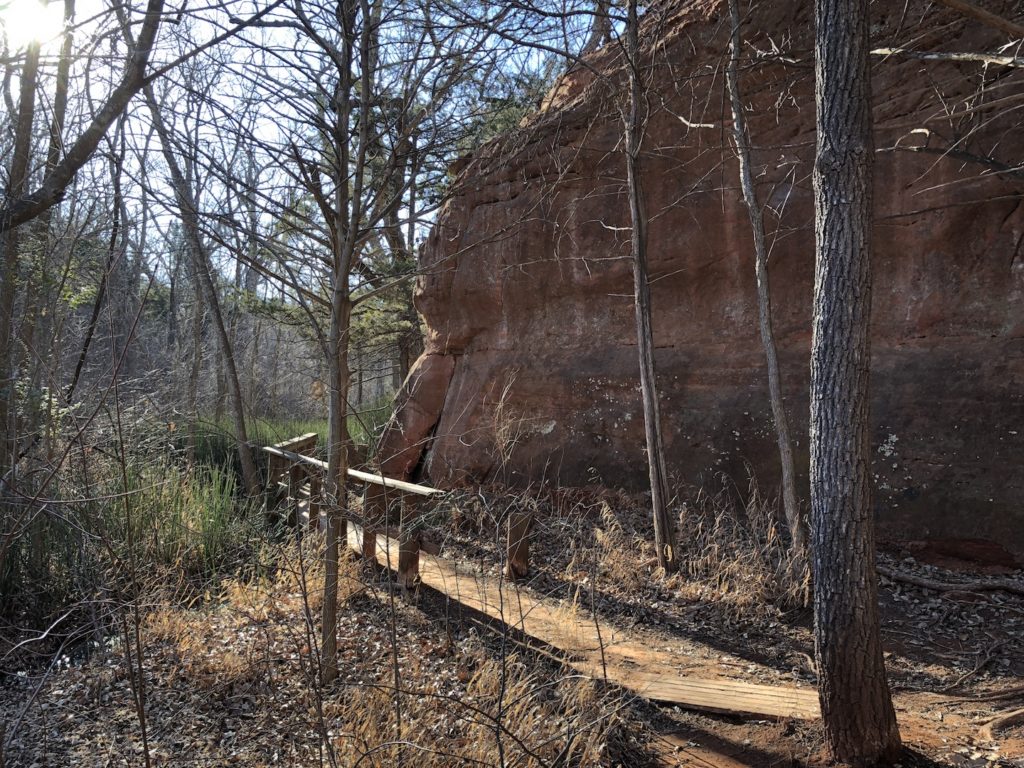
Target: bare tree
{"type": "Point", "coordinates": [30, 204]}
{"type": "Point", "coordinates": [860, 724]}
{"type": "Point", "coordinates": [189, 212]}
{"type": "Point", "coordinates": [794, 516]}
{"type": "Point", "coordinates": [9, 246]}
{"type": "Point", "coordinates": [634, 119]}
{"type": "Point", "coordinates": [368, 103]}
{"type": "Point", "coordinates": [24, 203]}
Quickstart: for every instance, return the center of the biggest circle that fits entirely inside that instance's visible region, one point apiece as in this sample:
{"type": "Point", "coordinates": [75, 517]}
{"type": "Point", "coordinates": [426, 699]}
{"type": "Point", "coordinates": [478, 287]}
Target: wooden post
{"type": "Point", "coordinates": [409, 545]}
{"type": "Point", "coordinates": [271, 488]}
{"type": "Point", "coordinates": [296, 473]}
{"type": "Point", "coordinates": [316, 481]}
{"type": "Point", "coordinates": [374, 501]}
{"type": "Point", "coordinates": [369, 545]}
{"type": "Point", "coordinates": [271, 493]}
{"type": "Point", "coordinates": [408, 561]}
{"type": "Point", "coordinates": [518, 556]}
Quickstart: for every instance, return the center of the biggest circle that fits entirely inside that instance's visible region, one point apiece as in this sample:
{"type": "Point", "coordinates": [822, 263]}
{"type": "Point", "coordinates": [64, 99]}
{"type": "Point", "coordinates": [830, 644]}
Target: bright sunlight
{"type": "Point", "coordinates": [25, 21]}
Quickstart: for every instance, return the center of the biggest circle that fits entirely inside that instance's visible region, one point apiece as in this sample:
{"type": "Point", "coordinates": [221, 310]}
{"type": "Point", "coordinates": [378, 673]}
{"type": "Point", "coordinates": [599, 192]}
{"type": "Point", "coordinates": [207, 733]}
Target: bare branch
{"type": "Point", "coordinates": [980, 58]}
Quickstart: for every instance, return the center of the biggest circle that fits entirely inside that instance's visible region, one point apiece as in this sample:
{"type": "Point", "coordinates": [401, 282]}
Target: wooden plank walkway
{"type": "Point", "coordinates": [625, 661]}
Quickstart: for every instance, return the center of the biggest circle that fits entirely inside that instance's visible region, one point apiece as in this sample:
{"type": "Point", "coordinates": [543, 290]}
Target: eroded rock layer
{"type": "Point", "coordinates": [530, 372]}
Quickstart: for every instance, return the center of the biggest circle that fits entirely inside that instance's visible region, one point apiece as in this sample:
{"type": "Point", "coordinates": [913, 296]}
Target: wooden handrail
{"type": "Point", "coordinates": [355, 474]}
{"type": "Point", "coordinates": [294, 442]}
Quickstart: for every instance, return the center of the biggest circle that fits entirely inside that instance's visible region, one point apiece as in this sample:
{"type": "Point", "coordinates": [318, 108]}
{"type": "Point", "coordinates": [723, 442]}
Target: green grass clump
{"type": "Point", "coordinates": [151, 519]}
{"type": "Point", "coordinates": [192, 519]}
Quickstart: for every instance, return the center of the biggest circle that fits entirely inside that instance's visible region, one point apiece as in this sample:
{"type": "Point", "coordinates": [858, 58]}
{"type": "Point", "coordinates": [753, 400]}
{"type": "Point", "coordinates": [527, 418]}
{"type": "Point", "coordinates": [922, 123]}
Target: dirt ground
{"type": "Point", "coordinates": [232, 679]}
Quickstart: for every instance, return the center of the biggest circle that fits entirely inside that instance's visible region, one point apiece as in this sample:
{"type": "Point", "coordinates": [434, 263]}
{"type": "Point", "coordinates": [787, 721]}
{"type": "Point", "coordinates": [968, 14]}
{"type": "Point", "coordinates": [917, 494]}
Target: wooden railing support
{"type": "Point", "coordinates": [518, 553]}
{"type": "Point", "coordinates": [409, 542]}
{"type": "Point", "coordinates": [316, 496]}
{"type": "Point", "coordinates": [289, 470]}
{"type": "Point", "coordinates": [408, 560]}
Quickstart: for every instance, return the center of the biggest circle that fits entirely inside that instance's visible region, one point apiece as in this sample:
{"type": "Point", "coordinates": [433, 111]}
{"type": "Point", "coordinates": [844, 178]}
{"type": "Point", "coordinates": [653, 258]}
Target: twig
{"type": "Point", "coordinates": [593, 613]}
{"type": "Point", "coordinates": [977, 668]}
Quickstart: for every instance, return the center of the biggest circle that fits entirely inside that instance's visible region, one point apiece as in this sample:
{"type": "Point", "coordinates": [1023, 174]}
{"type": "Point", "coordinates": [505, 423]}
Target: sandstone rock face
{"type": "Point", "coordinates": [531, 372]}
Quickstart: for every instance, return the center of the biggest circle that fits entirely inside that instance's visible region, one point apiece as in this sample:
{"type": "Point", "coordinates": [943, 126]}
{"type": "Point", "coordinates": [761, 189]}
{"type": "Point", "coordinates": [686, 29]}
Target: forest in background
{"type": "Point", "coordinates": [174, 307]}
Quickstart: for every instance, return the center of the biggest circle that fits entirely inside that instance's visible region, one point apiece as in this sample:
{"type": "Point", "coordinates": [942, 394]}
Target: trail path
{"type": "Point", "coordinates": [597, 648]}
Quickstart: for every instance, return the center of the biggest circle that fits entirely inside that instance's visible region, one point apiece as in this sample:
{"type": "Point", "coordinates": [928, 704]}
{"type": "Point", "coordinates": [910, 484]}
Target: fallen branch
{"type": "Point", "coordinates": [996, 724]}
{"type": "Point", "coordinates": [980, 58]}
{"type": "Point", "coordinates": [1001, 585]}
{"type": "Point", "coordinates": [1005, 693]}
{"type": "Point", "coordinates": [985, 17]}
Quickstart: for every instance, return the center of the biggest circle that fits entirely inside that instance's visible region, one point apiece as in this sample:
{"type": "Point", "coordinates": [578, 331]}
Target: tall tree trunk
{"type": "Point", "coordinates": [860, 724]}
{"type": "Point", "coordinates": [201, 264]}
{"type": "Point", "coordinates": [251, 280]}
{"type": "Point", "coordinates": [192, 386]}
{"type": "Point", "coordinates": [347, 218]}
{"type": "Point", "coordinates": [791, 507]}
{"type": "Point", "coordinates": [9, 248]}
{"type": "Point", "coordinates": [664, 537]}
{"type": "Point", "coordinates": [43, 364]}
{"type": "Point", "coordinates": [338, 442]}
{"type": "Point", "coordinates": [60, 97]}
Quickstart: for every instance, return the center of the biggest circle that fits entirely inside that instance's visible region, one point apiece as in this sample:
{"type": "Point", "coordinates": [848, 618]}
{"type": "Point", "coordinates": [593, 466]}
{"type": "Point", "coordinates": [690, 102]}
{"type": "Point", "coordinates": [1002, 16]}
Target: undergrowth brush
{"type": "Point", "coordinates": [737, 551]}
{"type": "Point", "coordinates": [104, 529]}
{"type": "Point", "coordinates": [235, 679]}
{"type": "Point", "coordinates": [733, 550]}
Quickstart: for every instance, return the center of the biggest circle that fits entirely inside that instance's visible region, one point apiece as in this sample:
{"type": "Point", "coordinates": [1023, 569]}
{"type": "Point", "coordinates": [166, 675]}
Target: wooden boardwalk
{"type": "Point", "coordinates": [595, 648]}
{"type": "Point", "coordinates": [624, 661]}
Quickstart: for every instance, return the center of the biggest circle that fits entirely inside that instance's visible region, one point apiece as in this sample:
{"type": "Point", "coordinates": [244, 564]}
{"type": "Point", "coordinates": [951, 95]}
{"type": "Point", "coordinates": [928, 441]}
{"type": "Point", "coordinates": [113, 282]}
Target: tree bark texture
{"type": "Point", "coordinates": [794, 517]}
{"type": "Point", "coordinates": [9, 248]}
{"type": "Point", "coordinates": [664, 539]}
{"type": "Point", "coordinates": [346, 217]}
{"type": "Point", "coordinates": [337, 472]}
{"type": "Point", "coordinates": [860, 724]}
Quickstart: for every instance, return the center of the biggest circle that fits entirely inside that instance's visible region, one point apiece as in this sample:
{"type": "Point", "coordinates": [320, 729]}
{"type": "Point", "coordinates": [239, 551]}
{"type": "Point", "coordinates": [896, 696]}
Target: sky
{"type": "Point", "coordinates": [26, 20]}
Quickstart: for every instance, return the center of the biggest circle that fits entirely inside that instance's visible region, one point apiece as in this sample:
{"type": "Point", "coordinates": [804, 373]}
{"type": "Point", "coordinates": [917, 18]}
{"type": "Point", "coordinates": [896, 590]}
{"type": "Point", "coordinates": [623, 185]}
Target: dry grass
{"type": "Point", "coordinates": [737, 553]}
{"type": "Point", "coordinates": [507, 714]}
{"type": "Point", "coordinates": [730, 553]}
{"type": "Point", "coordinates": [234, 681]}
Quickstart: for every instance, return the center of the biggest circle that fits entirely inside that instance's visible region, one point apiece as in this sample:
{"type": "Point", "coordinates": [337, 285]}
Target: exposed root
{"type": "Point", "coordinates": [996, 724]}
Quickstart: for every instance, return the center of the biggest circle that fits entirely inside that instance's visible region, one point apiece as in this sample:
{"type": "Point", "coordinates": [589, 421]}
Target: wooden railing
{"type": "Point", "coordinates": [296, 482]}
{"type": "Point", "coordinates": [291, 478]}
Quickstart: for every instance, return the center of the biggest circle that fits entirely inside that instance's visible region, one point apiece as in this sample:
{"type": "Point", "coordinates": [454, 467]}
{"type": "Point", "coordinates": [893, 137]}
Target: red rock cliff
{"type": "Point", "coordinates": [530, 372]}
